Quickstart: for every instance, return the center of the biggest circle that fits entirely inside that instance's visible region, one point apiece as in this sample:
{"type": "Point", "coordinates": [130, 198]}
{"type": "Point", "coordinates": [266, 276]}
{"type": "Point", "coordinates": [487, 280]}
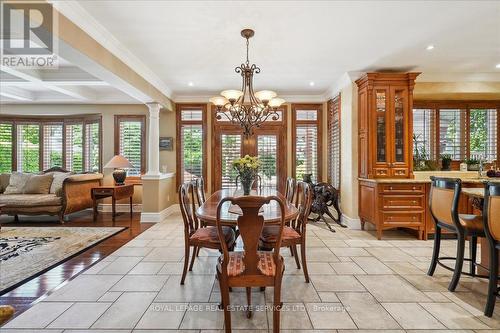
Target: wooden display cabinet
{"type": "Point", "coordinates": [385, 103]}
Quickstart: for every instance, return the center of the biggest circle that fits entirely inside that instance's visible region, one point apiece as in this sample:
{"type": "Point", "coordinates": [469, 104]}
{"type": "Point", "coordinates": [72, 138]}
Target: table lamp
{"type": "Point", "coordinates": [119, 163]}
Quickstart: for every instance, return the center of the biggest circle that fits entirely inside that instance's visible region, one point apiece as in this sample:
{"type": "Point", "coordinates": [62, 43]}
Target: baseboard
{"type": "Point", "coordinates": [120, 208]}
{"type": "Point", "coordinates": [158, 217]}
{"type": "Point", "coordinates": [351, 223]}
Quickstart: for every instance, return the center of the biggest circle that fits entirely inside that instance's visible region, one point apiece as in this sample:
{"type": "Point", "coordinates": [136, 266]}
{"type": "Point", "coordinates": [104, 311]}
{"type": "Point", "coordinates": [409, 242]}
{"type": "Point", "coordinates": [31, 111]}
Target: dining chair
{"type": "Point", "coordinates": [443, 204]}
{"type": "Point", "coordinates": [197, 237]}
{"type": "Point", "coordinates": [257, 184]}
{"type": "Point", "coordinates": [296, 233]}
{"type": "Point", "coordinates": [200, 190]}
{"type": "Point", "coordinates": [250, 267]}
{"type": "Point", "coordinates": [291, 184]}
{"type": "Point", "coordinates": [491, 221]}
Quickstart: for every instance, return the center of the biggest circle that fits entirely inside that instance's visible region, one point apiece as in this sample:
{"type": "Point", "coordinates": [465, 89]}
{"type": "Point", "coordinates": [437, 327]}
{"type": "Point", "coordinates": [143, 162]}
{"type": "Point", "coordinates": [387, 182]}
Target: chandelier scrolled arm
{"type": "Point", "coordinates": [245, 107]}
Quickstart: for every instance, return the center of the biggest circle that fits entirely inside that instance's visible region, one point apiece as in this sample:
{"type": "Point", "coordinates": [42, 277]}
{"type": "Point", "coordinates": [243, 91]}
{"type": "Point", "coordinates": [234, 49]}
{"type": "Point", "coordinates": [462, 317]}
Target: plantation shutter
{"type": "Point", "coordinates": [334, 142]}
{"type": "Point", "coordinates": [6, 147]}
{"type": "Point", "coordinates": [28, 148]}
{"type": "Point", "coordinates": [483, 134]}
{"type": "Point", "coordinates": [74, 147]}
{"type": "Point", "coordinates": [52, 146]}
{"type": "Point", "coordinates": [92, 144]}
{"type": "Point", "coordinates": [267, 151]}
{"type": "Point", "coordinates": [130, 144]}
{"type": "Point", "coordinates": [192, 152]}
{"type": "Point", "coordinates": [306, 151]}
{"type": "Point", "coordinates": [452, 133]}
{"type": "Point", "coordinates": [231, 150]}
{"type": "Point", "coordinates": [424, 124]}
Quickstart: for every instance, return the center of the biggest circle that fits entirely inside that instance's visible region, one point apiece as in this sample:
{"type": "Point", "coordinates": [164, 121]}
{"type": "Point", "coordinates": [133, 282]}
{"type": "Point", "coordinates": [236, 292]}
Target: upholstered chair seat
{"type": "Point", "coordinates": [265, 265]}
{"type": "Point", "coordinates": [209, 235]}
{"type": "Point", "coordinates": [471, 222]}
{"type": "Point", "coordinates": [270, 234]}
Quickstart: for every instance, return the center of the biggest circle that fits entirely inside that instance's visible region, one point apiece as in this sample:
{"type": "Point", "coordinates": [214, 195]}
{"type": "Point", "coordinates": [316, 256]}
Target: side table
{"type": "Point", "coordinates": [116, 192]}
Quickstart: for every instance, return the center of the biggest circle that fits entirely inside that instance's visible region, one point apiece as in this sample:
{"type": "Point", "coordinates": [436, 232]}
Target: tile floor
{"type": "Point", "coordinates": [357, 284]}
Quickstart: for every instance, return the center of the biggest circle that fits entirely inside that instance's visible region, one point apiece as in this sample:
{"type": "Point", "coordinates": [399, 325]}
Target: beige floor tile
{"type": "Point", "coordinates": [140, 283]}
{"type": "Point", "coordinates": [329, 316]}
{"type": "Point", "coordinates": [122, 265]}
{"type": "Point", "coordinates": [428, 283]}
{"type": "Point", "coordinates": [320, 254]}
{"type": "Point", "coordinates": [350, 252]}
{"type": "Point", "coordinates": [196, 288]}
{"type": "Point", "coordinates": [165, 254]}
{"type": "Point", "coordinates": [125, 311]}
{"type": "Point", "coordinates": [391, 288]}
{"type": "Point", "coordinates": [335, 243]}
{"type": "Point", "coordinates": [372, 265]}
{"type": "Point", "coordinates": [80, 315]}
{"type": "Point", "coordinates": [162, 316]}
{"type": "Point", "coordinates": [39, 316]}
{"type": "Point", "coordinates": [347, 268]}
{"type": "Point", "coordinates": [85, 288]}
{"type": "Point", "coordinates": [412, 316]}
{"type": "Point", "coordinates": [144, 268]}
{"type": "Point", "coordinates": [385, 254]}
{"type": "Point", "coordinates": [132, 251]}
{"type": "Point", "coordinates": [453, 316]}
{"type": "Point", "coordinates": [110, 296]}
{"type": "Point", "coordinates": [293, 316]}
{"type": "Point", "coordinates": [404, 268]}
{"type": "Point", "coordinates": [366, 312]}
{"type": "Point", "coordinates": [328, 297]}
{"type": "Point", "coordinates": [203, 316]}
{"type": "Point", "coordinates": [336, 283]}
{"type": "Point", "coordinates": [172, 268]}
{"type": "Point", "coordinates": [322, 268]}
{"type": "Point", "coordinates": [294, 289]}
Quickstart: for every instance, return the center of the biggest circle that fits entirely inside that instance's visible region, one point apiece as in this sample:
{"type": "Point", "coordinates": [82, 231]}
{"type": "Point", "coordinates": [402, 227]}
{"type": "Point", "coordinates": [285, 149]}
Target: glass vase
{"type": "Point", "coordinates": [246, 184]}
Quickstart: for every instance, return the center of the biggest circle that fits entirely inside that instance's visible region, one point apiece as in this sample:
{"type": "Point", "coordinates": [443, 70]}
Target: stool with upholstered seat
{"type": "Point", "coordinates": [491, 222]}
{"type": "Point", "coordinates": [443, 204]}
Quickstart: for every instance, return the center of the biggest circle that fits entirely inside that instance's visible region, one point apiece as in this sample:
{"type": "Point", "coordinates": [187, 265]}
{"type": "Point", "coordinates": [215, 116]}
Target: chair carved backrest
{"type": "Point", "coordinates": [188, 208]}
{"type": "Point", "coordinates": [250, 225]}
{"type": "Point", "coordinates": [304, 198]}
{"type": "Point", "coordinates": [290, 188]}
{"type": "Point", "coordinates": [256, 185]}
{"type": "Point", "coordinates": [443, 200]}
{"type": "Point", "coordinates": [491, 211]}
{"type": "Point", "coordinates": [200, 190]}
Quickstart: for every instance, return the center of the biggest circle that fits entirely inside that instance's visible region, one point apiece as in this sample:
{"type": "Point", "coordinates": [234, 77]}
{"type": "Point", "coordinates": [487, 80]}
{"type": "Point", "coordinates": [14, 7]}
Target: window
{"type": "Point", "coordinates": [39, 143]}
{"type": "Point", "coordinates": [334, 142]}
{"type": "Point", "coordinates": [306, 127]}
{"type": "Point", "coordinates": [231, 150]}
{"type": "Point", "coordinates": [6, 147]}
{"type": "Point", "coordinates": [424, 133]}
{"type": "Point", "coordinates": [463, 130]}
{"type": "Point", "coordinates": [267, 151]}
{"type": "Point", "coordinates": [130, 136]}
{"type": "Point", "coordinates": [191, 142]}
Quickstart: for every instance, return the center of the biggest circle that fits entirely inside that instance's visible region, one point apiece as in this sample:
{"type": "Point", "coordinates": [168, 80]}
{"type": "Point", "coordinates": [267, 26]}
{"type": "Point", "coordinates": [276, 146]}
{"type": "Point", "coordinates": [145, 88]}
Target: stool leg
{"type": "Point", "coordinates": [473, 254]}
{"type": "Point", "coordinates": [435, 251]}
{"type": "Point", "coordinates": [492, 285]}
{"type": "Point", "coordinates": [459, 263]}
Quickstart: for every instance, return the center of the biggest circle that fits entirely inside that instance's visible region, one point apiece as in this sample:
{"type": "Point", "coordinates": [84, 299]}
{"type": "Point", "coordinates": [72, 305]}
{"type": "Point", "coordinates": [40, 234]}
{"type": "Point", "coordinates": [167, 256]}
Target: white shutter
{"type": "Point", "coordinates": [231, 150]}
{"type": "Point", "coordinates": [6, 147]}
{"type": "Point", "coordinates": [52, 146]}
{"type": "Point", "coordinates": [28, 148]}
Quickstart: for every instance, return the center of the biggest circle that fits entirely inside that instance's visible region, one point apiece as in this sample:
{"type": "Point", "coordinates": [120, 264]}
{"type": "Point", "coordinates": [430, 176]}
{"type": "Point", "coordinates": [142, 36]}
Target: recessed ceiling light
{"type": "Point", "coordinates": [497, 66]}
{"type": "Point", "coordinates": [311, 83]}
{"type": "Point", "coordinates": [430, 47]}
{"type": "Point", "coordinates": [190, 84]}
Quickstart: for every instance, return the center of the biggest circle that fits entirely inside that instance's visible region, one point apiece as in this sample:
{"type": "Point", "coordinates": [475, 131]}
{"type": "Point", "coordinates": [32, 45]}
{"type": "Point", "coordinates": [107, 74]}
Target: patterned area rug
{"type": "Point", "coordinates": [28, 251]}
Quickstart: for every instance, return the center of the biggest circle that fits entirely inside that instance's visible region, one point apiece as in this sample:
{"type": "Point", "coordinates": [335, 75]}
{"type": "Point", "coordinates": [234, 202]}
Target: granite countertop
{"type": "Point", "coordinates": [465, 180]}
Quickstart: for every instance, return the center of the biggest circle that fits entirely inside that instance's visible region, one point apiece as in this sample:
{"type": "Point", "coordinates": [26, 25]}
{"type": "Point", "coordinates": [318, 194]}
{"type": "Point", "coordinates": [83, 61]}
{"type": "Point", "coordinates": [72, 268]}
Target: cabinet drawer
{"type": "Point", "coordinates": [399, 172]}
{"type": "Point", "coordinates": [403, 217]}
{"type": "Point", "coordinates": [103, 192]}
{"type": "Point", "coordinates": [403, 202]}
{"type": "Point", "coordinates": [409, 188]}
{"type": "Point", "coordinates": [381, 172]}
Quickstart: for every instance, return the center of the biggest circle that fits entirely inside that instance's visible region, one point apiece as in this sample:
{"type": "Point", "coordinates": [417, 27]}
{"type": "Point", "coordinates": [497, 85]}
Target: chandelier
{"type": "Point", "coordinates": [244, 107]}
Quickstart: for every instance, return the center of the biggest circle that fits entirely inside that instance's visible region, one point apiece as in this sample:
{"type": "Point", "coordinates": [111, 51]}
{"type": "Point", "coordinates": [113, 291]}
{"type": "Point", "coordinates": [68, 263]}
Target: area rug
{"type": "Point", "coordinates": [26, 252]}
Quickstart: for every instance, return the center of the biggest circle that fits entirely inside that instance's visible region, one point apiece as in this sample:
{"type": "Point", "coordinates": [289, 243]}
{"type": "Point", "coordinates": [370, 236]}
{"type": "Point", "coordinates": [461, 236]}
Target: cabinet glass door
{"type": "Point", "coordinates": [399, 125]}
{"type": "Point", "coordinates": [381, 123]}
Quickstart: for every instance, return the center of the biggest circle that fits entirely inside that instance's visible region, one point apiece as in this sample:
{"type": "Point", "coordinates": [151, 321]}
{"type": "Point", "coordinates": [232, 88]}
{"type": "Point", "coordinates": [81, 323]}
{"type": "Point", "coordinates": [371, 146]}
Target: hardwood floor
{"type": "Point", "coordinates": [22, 297]}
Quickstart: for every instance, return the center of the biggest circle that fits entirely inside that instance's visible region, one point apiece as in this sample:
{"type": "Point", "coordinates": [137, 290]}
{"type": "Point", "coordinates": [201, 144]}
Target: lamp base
{"type": "Point", "coordinates": [119, 175]}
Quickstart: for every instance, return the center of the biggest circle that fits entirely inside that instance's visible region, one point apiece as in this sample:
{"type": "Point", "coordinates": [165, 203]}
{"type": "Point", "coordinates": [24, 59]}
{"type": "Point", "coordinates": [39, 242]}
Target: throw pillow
{"type": "Point", "coordinates": [4, 181]}
{"type": "Point", "coordinates": [57, 183]}
{"type": "Point", "coordinates": [17, 182]}
{"type": "Point", "coordinates": [38, 184]}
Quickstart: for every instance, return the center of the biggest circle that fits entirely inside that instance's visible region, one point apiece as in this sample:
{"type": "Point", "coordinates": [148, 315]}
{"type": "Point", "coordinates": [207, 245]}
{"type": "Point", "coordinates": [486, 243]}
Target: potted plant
{"type": "Point", "coordinates": [445, 162]}
{"type": "Point", "coordinates": [472, 164]}
{"type": "Point", "coordinates": [248, 168]}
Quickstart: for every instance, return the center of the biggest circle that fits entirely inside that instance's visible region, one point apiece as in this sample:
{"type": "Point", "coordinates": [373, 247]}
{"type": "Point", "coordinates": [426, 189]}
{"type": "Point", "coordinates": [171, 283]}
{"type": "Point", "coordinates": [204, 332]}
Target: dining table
{"type": "Point", "coordinates": [207, 212]}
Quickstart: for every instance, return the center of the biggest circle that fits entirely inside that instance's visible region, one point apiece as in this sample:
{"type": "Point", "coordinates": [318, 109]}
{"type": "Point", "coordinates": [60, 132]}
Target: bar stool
{"type": "Point", "coordinates": [491, 220]}
{"type": "Point", "coordinates": [443, 202]}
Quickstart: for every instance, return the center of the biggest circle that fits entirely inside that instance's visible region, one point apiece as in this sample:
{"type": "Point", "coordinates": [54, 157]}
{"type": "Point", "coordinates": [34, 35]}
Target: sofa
{"type": "Point", "coordinates": [51, 192]}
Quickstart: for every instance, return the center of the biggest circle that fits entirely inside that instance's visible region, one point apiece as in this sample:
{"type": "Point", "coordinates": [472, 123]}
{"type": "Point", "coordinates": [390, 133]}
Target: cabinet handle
{"type": "Point", "coordinates": [413, 218]}
{"type": "Point", "coordinates": [414, 188]}
{"type": "Point", "coordinates": [414, 201]}
{"type": "Point", "coordinates": [391, 188]}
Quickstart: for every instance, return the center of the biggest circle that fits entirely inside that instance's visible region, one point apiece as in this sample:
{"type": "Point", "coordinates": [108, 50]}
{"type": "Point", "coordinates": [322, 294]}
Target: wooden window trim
{"type": "Point", "coordinates": [318, 122]}
{"type": "Point", "coordinates": [466, 105]}
{"type": "Point", "coordinates": [337, 99]}
{"type": "Point", "coordinates": [179, 122]}
{"type": "Point", "coordinates": [52, 120]}
{"type": "Point", "coordinates": [142, 119]}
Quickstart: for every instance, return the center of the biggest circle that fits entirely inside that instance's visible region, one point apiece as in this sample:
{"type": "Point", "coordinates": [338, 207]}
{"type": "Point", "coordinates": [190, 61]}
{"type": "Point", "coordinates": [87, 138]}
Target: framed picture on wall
{"type": "Point", "coordinates": [166, 143]}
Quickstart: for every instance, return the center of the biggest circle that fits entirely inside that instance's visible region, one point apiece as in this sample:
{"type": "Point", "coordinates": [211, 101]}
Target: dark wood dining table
{"type": "Point", "coordinates": [207, 212]}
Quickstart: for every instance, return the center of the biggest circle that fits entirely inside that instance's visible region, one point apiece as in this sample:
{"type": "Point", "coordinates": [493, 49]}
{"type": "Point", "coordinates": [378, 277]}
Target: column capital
{"type": "Point", "coordinates": [154, 108]}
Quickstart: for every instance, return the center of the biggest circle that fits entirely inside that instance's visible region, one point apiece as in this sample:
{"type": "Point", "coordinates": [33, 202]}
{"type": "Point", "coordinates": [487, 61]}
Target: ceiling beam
{"type": "Point", "coordinates": [34, 76]}
{"type": "Point", "coordinates": [16, 93]}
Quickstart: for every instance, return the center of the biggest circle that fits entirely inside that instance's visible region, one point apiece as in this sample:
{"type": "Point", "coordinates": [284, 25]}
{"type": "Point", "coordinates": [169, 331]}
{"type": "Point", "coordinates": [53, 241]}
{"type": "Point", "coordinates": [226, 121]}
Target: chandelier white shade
{"type": "Point", "coordinates": [244, 107]}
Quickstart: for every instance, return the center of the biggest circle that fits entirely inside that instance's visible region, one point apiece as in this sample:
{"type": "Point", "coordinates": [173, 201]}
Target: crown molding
{"type": "Point", "coordinates": [76, 13]}
{"type": "Point", "coordinates": [288, 98]}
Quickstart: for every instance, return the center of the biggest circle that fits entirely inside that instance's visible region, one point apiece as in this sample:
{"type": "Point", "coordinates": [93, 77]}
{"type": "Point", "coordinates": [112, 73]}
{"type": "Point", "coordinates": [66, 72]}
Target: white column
{"type": "Point", "coordinates": [154, 140]}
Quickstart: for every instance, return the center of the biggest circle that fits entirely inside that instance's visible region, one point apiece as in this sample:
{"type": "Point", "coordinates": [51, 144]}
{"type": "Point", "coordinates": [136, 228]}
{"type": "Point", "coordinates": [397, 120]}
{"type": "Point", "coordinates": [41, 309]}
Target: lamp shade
{"type": "Point", "coordinates": [232, 95]}
{"type": "Point", "coordinates": [218, 100]}
{"type": "Point", "coordinates": [265, 95]}
{"type": "Point", "coordinates": [118, 162]}
{"type": "Point", "coordinates": [276, 102]}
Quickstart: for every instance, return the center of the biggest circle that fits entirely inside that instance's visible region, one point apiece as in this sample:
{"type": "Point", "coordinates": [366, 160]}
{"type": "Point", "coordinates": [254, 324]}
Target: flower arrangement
{"type": "Point", "coordinates": [248, 168]}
